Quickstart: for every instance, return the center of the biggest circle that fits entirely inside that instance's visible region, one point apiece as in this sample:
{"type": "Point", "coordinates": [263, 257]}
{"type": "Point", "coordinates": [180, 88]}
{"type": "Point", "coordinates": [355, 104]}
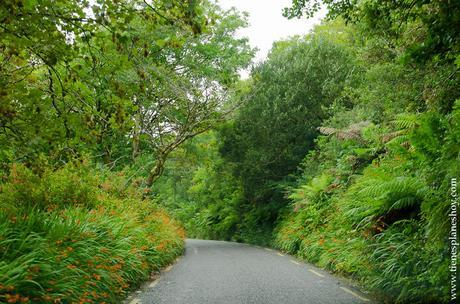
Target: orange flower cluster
{"type": "Point", "coordinates": [181, 232]}
{"type": "Point", "coordinates": [160, 246]}
{"type": "Point", "coordinates": [16, 298]}
{"type": "Point", "coordinates": [51, 208]}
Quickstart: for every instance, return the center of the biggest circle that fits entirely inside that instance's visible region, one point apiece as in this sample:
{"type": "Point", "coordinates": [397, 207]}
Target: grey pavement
{"type": "Point", "coordinates": [216, 272]}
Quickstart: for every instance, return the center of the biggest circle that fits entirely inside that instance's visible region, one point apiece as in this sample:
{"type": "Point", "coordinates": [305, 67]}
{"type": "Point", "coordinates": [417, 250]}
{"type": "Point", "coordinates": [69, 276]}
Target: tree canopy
{"type": "Point", "coordinates": [113, 78]}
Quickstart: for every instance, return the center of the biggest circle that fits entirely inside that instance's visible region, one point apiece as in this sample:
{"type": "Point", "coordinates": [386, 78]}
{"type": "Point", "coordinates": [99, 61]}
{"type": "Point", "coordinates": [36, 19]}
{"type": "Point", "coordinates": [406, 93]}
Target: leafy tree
{"type": "Point", "coordinates": [199, 188]}
{"type": "Point", "coordinates": [122, 76]}
{"type": "Point", "coordinates": [278, 121]}
{"type": "Point", "coordinates": [433, 25]}
{"type": "Point", "coordinates": [192, 87]}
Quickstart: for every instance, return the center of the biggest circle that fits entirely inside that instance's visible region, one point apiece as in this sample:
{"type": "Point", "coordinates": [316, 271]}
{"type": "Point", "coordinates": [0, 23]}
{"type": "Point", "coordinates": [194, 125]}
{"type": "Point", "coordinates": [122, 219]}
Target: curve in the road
{"type": "Point", "coordinates": [216, 272]}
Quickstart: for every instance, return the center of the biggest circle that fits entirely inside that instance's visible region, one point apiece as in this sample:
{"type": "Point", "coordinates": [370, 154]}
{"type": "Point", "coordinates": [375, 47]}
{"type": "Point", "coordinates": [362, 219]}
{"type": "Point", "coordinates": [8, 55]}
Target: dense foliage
{"type": "Point", "coordinates": [79, 235]}
{"type": "Point", "coordinates": [376, 209]}
{"type": "Point", "coordinates": [200, 190]}
{"type": "Point", "coordinates": [282, 109]}
{"type": "Point", "coordinates": [339, 148]}
{"type": "Point", "coordinates": [113, 79]}
{"type": "Point", "coordinates": [94, 96]}
{"type": "Point", "coordinates": [342, 151]}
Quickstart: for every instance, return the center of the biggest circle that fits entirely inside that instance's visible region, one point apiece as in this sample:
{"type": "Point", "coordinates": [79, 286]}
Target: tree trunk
{"type": "Point", "coordinates": [154, 174]}
{"type": "Point", "coordinates": [136, 137]}
{"type": "Point", "coordinates": [135, 146]}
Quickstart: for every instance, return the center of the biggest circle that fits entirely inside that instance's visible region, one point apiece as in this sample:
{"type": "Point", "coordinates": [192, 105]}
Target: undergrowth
{"type": "Point", "coordinates": [78, 235]}
{"type": "Point", "coordinates": [384, 221]}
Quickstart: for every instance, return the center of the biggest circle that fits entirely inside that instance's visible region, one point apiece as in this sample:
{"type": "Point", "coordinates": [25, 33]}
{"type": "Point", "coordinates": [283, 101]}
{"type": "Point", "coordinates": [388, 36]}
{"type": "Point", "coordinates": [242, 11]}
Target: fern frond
{"type": "Point", "coordinates": [401, 140]}
{"type": "Point", "coordinates": [403, 203]}
{"type": "Point", "coordinates": [389, 136]}
{"type": "Point", "coordinates": [406, 121]}
{"type": "Point", "coordinates": [353, 131]}
{"type": "Point", "coordinates": [308, 193]}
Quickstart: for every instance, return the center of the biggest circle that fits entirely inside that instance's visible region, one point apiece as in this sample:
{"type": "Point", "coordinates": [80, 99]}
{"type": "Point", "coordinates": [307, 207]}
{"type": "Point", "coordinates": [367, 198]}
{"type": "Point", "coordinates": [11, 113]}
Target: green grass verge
{"type": "Point", "coordinates": [60, 252]}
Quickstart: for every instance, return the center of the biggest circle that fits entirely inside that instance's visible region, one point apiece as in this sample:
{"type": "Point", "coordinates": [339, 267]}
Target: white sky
{"type": "Point", "coordinates": [267, 24]}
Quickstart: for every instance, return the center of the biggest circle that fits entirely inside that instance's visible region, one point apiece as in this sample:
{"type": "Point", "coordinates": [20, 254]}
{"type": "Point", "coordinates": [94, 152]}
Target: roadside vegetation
{"type": "Point", "coordinates": [94, 96]}
{"type": "Point", "coordinates": [342, 151]}
{"type": "Point", "coordinates": [77, 235]}
{"type": "Point", "coordinates": [124, 122]}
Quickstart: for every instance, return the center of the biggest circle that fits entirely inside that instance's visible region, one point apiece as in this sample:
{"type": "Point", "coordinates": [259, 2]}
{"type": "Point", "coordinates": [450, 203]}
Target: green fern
{"type": "Point", "coordinates": [406, 121]}
{"type": "Point", "coordinates": [404, 202]}
{"type": "Point", "coordinates": [378, 192]}
{"type": "Point", "coordinates": [309, 193]}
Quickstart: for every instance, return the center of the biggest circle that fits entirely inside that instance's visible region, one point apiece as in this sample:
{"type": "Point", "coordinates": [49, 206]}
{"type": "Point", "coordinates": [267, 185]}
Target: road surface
{"type": "Point", "coordinates": [215, 272]}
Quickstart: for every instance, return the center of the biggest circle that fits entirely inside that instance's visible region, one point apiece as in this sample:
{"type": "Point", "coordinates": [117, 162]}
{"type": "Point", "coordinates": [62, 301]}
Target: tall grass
{"type": "Point", "coordinates": [92, 245]}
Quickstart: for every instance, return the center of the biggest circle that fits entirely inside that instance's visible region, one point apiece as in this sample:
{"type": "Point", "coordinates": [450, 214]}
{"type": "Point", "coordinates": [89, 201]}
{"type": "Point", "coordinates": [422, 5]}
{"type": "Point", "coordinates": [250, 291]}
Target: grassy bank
{"type": "Point", "coordinates": [77, 235]}
{"type": "Point", "coordinates": [380, 216]}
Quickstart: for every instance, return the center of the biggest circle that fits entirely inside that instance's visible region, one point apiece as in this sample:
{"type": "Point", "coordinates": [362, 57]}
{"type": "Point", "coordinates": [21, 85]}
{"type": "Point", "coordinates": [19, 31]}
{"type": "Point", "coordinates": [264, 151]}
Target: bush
{"type": "Point", "coordinates": [72, 185]}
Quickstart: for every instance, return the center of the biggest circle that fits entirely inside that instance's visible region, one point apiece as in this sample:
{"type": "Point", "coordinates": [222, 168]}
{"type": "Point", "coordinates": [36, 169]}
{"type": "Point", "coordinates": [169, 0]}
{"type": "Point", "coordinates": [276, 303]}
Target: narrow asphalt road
{"type": "Point", "coordinates": [215, 272]}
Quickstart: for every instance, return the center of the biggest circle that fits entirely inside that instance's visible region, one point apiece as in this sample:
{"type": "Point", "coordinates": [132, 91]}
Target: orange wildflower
{"type": "Point", "coordinates": [12, 298]}
{"type": "Point", "coordinates": [161, 246]}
